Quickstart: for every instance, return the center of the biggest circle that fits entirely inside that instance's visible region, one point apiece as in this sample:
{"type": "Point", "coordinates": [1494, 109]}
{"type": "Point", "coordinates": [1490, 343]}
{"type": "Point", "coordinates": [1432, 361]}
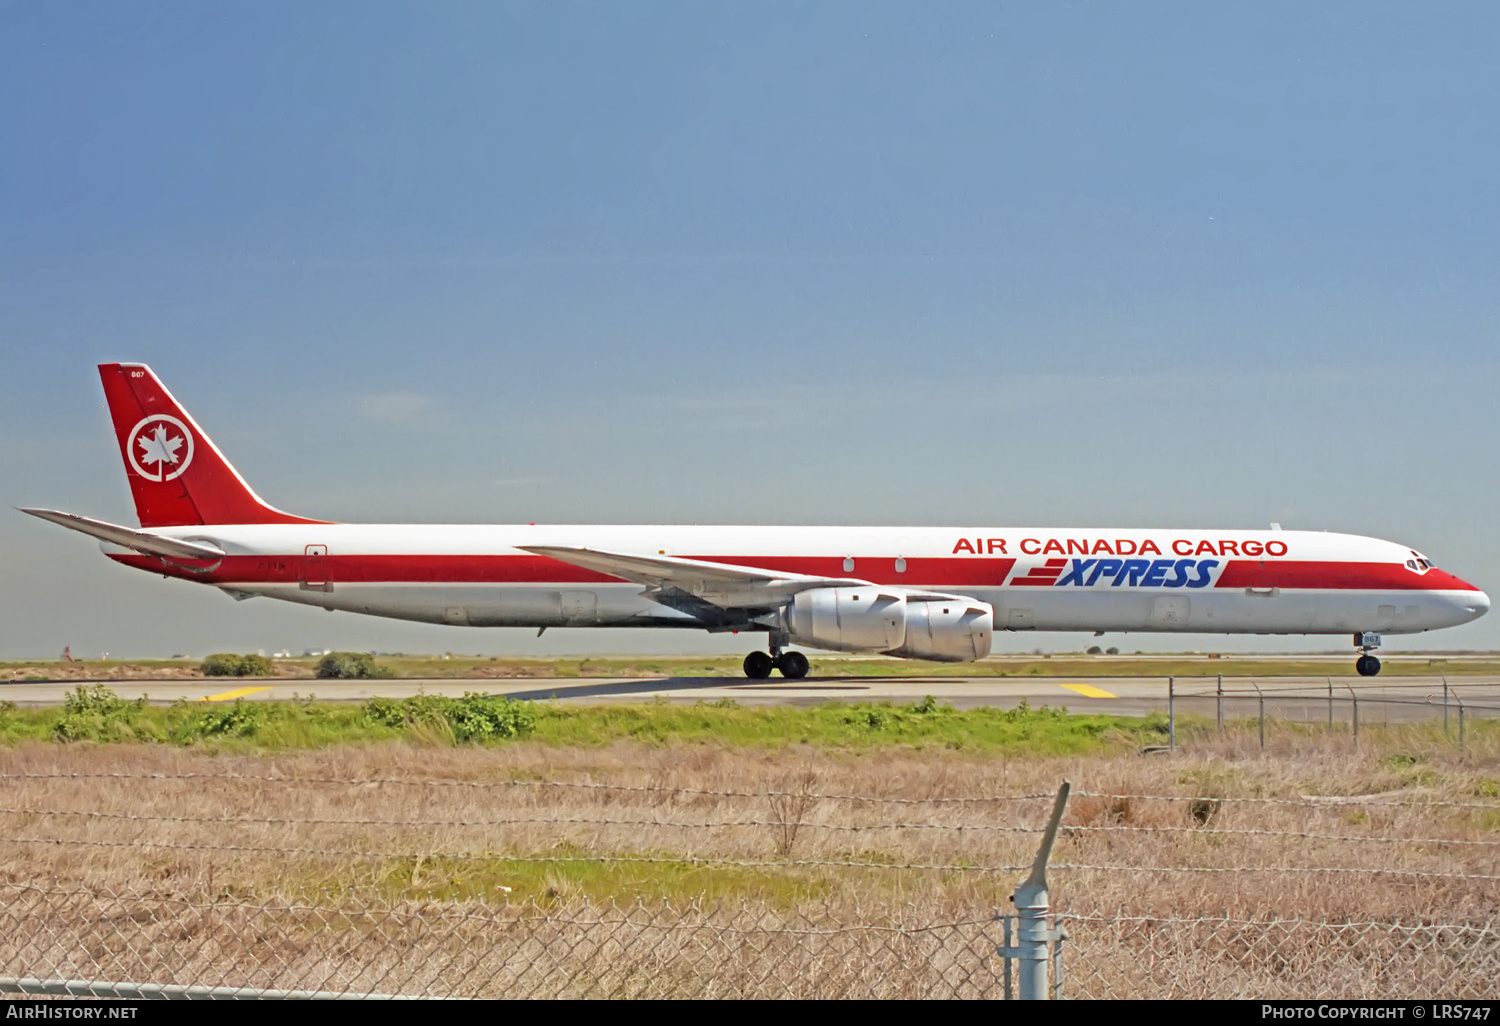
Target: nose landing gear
{"type": "Point", "coordinates": [1367, 665]}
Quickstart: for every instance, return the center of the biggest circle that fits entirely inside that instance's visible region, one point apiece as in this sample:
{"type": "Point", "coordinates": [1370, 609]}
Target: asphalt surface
{"type": "Point", "coordinates": [1383, 698]}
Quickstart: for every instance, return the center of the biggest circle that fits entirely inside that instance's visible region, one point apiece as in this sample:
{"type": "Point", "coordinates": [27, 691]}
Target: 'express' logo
{"type": "Point", "coordinates": [1135, 573]}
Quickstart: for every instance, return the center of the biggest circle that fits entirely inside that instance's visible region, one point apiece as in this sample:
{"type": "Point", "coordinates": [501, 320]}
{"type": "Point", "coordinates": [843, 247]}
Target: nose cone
{"type": "Point", "coordinates": [1478, 604]}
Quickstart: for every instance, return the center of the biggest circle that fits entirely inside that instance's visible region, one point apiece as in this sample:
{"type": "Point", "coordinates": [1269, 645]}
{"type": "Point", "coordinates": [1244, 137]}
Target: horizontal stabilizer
{"type": "Point", "coordinates": [140, 541]}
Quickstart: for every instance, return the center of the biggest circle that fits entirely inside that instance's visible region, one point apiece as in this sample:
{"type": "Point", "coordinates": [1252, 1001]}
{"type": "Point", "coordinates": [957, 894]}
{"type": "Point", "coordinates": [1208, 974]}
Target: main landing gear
{"type": "Point", "coordinates": [1367, 665]}
{"type": "Point", "coordinates": [793, 665]}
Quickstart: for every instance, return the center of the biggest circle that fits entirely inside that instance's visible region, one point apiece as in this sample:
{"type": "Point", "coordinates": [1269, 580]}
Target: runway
{"type": "Point", "coordinates": [1301, 698]}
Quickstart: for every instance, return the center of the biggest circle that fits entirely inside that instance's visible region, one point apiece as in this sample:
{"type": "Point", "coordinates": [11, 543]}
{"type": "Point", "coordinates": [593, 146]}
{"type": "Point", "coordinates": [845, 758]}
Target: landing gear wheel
{"type": "Point", "coordinates": [793, 665]}
{"type": "Point", "coordinates": [758, 665]}
{"type": "Point", "coordinates": [1367, 665]}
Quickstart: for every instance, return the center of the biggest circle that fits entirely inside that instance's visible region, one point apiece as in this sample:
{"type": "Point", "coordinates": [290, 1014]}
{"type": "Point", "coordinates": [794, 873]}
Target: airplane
{"type": "Point", "coordinates": [928, 593]}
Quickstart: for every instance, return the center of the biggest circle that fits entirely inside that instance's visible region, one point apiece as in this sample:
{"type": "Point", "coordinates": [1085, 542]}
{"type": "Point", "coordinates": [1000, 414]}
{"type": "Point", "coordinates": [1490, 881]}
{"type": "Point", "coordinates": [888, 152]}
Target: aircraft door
{"type": "Point", "coordinates": [315, 569]}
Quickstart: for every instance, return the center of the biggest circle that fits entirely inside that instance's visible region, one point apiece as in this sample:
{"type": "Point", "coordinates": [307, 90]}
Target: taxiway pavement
{"type": "Point", "coordinates": [1383, 698]}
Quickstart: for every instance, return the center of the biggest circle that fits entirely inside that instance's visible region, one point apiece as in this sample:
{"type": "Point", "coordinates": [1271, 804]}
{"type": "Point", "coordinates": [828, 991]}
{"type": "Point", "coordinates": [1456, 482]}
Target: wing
{"type": "Point", "coordinates": [140, 541]}
{"type": "Point", "coordinates": [672, 580]}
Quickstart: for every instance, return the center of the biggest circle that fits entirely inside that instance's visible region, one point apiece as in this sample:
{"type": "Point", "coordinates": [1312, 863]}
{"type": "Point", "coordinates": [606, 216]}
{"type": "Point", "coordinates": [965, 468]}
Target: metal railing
{"type": "Point", "coordinates": [1411, 702]}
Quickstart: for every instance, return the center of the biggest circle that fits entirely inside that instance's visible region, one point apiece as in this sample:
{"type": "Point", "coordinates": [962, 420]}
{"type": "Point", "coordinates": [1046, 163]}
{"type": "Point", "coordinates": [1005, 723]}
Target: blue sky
{"type": "Point", "coordinates": [1149, 264]}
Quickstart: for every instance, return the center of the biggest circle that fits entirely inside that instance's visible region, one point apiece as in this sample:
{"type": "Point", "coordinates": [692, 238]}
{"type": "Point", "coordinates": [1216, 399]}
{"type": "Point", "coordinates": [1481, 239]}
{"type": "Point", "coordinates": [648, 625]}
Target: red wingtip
{"type": "Point", "coordinates": [177, 475]}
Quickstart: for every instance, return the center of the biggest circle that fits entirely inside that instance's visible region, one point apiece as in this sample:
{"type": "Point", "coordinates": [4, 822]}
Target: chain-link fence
{"type": "Point", "coordinates": [187, 883]}
{"type": "Point", "coordinates": [1134, 956]}
{"type": "Point", "coordinates": [576, 949]}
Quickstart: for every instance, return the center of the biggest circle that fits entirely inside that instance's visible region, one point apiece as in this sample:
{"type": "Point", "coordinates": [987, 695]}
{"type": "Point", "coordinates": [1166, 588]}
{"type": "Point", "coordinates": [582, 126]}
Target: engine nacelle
{"type": "Point", "coordinates": [857, 619]}
{"type": "Point", "coordinates": [867, 618]}
{"type": "Point", "coordinates": [947, 631]}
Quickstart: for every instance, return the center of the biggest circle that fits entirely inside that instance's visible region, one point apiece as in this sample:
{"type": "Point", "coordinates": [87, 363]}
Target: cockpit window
{"type": "Point", "coordinates": [1418, 563]}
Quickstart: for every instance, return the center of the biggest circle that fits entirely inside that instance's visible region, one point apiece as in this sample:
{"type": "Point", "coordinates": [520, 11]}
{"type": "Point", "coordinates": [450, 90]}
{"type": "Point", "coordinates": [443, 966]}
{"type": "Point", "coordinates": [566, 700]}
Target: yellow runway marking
{"type": "Point", "coordinates": [228, 696]}
{"type": "Point", "coordinates": [1089, 691]}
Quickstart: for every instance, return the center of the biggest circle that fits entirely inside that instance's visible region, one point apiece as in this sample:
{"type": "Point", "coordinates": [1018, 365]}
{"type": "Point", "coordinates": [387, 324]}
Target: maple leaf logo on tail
{"type": "Point", "coordinates": [160, 447]}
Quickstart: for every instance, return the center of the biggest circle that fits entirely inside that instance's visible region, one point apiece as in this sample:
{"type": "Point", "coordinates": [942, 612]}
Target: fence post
{"type": "Point", "coordinates": [1219, 704]}
{"type": "Point", "coordinates": [1330, 703]}
{"type": "Point", "coordinates": [1445, 705]}
{"type": "Point", "coordinates": [1460, 702]}
{"type": "Point", "coordinates": [1057, 963]}
{"type": "Point", "coordinates": [1172, 714]}
{"type": "Point", "coordinates": [1033, 935]}
{"type": "Point", "coordinates": [1005, 923]}
{"type": "Point", "coordinates": [1261, 696]}
{"type": "Point", "coordinates": [1354, 697]}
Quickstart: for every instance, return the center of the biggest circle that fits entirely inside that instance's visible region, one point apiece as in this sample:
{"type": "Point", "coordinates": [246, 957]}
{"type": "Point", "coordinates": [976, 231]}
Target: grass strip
{"type": "Point", "coordinates": [95, 714]}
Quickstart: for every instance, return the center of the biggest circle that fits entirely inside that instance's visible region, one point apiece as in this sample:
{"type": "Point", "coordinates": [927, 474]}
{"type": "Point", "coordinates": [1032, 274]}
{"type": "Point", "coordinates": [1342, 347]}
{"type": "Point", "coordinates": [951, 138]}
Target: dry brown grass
{"type": "Point", "coordinates": [382, 866]}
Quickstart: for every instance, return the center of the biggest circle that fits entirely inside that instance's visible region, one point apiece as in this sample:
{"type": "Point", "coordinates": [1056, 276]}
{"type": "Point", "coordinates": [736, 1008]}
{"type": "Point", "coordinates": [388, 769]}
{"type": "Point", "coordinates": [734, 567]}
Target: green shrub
{"type": "Point", "coordinates": [349, 665]}
{"type": "Point", "coordinates": [928, 706]}
{"type": "Point", "coordinates": [97, 714]}
{"type": "Point", "coordinates": [470, 718]}
{"type": "Point", "coordinates": [482, 717]}
{"type": "Point", "coordinates": [258, 666]}
{"type": "Point", "coordinates": [868, 717]}
{"type": "Point", "coordinates": [228, 664]}
{"type": "Point", "coordinates": [222, 664]}
{"type": "Point", "coordinates": [237, 720]}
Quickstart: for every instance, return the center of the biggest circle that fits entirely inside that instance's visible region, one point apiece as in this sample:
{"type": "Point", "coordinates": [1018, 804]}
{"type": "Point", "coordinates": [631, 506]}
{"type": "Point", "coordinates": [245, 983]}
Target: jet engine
{"type": "Point", "coordinates": [873, 619]}
{"type": "Point", "coordinates": [947, 631]}
{"type": "Point", "coordinates": [857, 619]}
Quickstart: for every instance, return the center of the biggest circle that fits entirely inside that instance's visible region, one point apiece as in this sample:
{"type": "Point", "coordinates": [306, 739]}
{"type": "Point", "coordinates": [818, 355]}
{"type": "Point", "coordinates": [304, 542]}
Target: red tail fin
{"type": "Point", "coordinates": [177, 475]}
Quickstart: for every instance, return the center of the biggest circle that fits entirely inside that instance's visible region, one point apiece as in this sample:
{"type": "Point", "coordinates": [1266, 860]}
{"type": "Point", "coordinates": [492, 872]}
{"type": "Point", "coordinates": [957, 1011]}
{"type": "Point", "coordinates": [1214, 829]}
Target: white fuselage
{"type": "Point", "coordinates": [1261, 582]}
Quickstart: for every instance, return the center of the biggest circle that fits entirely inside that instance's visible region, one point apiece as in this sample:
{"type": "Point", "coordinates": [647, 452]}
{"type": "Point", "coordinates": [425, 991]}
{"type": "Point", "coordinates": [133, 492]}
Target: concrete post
{"type": "Point", "coordinates": [1262, 699]}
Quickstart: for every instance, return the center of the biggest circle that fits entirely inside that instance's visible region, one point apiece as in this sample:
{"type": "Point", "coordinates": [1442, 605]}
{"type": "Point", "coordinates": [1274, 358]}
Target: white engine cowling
{"type": "Point", "coordinates": [872, 619]}
{"type": "Point", "coordinates": [944, 631]}
{"type": "Point", "coordinates": [857, 619]}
